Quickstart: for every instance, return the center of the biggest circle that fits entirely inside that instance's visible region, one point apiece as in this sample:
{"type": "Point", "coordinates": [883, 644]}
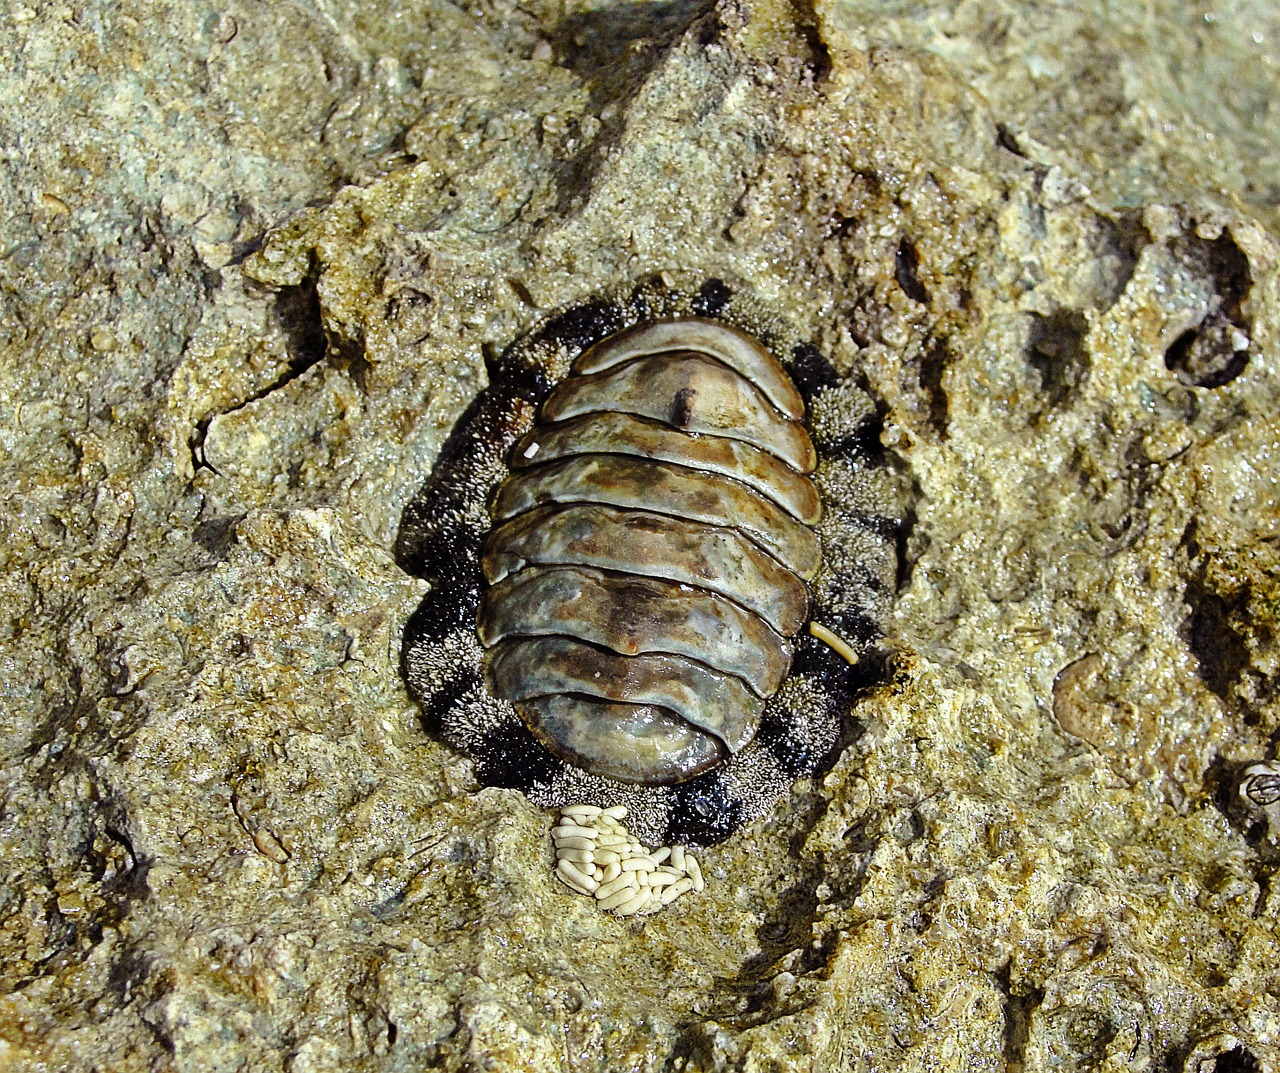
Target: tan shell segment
{"type": "Point", "coordinates": [652, 545]}
{"type": "Point", "coordinates": [631, 614]}
{"type": "Point", "coordinates": [690, 392]}
{"type": "Point", "coordinates": [521, 668]}
{"type": "Point", "coordinates": [734, 348]}
{"type": "Point", "coordinates": [686, 493]}
{"type": "Point", "coordinates": [627, 434]}
{"type": "Point", "coordinates": [634, 743]}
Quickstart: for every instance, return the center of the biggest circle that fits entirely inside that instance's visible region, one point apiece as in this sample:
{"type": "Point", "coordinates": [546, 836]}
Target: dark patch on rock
{"type": "Point", "coordinates": [906, 265]}
{"type": "Point", "coordinates": [1214, 352]}
{"type": "Point", "coordinates": [1055, 349]}
{"type": "Point", "coordinates": [711, 299]}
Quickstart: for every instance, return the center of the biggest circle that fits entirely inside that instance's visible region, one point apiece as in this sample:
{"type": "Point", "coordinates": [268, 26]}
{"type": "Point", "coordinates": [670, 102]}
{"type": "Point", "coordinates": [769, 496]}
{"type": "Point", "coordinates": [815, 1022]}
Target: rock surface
{"type": "Point", "coordinates": [252, 258]}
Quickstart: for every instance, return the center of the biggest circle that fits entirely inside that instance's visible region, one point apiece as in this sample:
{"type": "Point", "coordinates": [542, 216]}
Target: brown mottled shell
{"type": "Point", "coordinates": [648, 559]}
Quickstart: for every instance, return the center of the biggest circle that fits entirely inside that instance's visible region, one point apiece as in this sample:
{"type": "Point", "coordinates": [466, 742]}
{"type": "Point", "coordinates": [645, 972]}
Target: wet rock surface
{"type": "Point", "coordinates": [252, 261]}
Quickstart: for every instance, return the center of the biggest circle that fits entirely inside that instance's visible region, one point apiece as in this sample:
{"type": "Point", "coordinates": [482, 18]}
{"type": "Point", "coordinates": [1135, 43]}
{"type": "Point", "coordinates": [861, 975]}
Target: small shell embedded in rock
{"type": "Point", "coordinates": [635, 882]}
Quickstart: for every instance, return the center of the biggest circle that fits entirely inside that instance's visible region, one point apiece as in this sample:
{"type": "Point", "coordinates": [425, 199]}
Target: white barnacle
{"type": "Point", "coordinates": [597, 857]}
{"type": "Point", "coordinates": [1259, 791]}
{"type": "Point", "coordinates": [1260, 784]}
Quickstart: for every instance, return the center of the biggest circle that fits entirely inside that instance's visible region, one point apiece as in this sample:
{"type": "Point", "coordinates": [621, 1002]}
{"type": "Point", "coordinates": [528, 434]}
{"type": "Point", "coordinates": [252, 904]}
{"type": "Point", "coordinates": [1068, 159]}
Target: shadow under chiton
{"type": "Point", "coordinates": [623, 565]}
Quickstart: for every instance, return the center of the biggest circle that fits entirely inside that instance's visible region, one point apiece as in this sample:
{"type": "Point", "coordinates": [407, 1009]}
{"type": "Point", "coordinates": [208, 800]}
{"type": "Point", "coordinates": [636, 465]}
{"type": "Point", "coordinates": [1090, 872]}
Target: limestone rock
{"type": "Point", "coordinates": [252, 259]}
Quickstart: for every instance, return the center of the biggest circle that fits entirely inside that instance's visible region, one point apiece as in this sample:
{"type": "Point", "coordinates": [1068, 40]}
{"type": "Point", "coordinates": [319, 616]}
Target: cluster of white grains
{"type": "Point", "coordinates": [596, 856]}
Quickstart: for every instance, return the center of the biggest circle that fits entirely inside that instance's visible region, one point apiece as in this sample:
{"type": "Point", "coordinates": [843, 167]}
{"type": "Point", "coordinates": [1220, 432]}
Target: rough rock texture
{"type": "Point", "coordinates": [251, 258]}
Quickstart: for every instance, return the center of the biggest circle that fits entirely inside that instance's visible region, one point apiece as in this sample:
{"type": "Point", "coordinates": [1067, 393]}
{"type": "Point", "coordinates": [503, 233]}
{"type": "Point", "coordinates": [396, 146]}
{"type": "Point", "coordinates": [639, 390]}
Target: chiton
{"type": "Point", "coordinates": [649, 552]}
{"type": "Point", "coordinates": [626, 537]}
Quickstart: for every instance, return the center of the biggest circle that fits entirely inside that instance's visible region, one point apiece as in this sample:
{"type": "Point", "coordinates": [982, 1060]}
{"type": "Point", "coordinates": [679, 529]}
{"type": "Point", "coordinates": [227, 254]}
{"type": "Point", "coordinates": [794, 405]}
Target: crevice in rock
{"type": "Point", "coordinates": [1123, 238]}
{"type": "Point", "coordinates": [1018, 1009]}
{"type": "Point", "coordinates": [1237, 1060]}
{"type": "Point", "coordinates": [299, 315]}
{"type": "Point", "coordinates": [933, 367]}
{"type": "Point", "coordinates": [1008, 141]}
{"type": "Point", "coordinates": [1055, 349]}
{"type": "Point", "coordinates": [819, 58]}
{"type": "Point", "coordinates": [1221, 654]}
{"type": "Point", "coordinates": [217, 534]}
{"type": "Point", "coordinates": [1215, 351]}
{"type": "Point", "coordinates": [906, 266]}
{"type": "Point", "coordinates": [195, 444]}
{"type": "Point", "coordinates": [910, 544]}
{"type": "Point", "coordinates": [786, 935]}
{"type": "Point", "coordinates": [614, 47]}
